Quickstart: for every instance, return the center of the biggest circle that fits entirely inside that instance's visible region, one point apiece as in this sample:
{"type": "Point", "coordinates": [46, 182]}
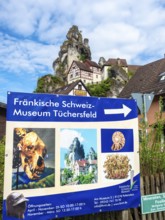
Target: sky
{"type": "Point", "coordinates": [31, 33]}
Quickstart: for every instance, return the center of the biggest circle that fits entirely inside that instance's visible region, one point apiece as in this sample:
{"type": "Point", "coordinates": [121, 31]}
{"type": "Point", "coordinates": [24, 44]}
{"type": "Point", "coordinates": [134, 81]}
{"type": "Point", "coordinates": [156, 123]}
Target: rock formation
{"type": "Point", "coordinates": [76, 151]}
{"type": "Point", "coordinates": [73, 48]}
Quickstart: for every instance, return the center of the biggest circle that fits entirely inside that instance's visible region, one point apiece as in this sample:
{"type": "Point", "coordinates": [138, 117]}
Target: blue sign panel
{"type": "Point", "coordinates": [41, 107]}
{"type": "Point", "coordinates": [61, 149]}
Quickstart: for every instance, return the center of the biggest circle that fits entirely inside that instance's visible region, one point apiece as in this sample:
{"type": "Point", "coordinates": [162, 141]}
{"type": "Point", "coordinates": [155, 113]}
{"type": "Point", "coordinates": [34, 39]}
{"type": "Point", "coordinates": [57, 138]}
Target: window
{"type": "Point", "coordinates": [79, 87]}
{"type": "Point", "coordinates": [163, 105]}
{"type": "Point", "coordinates": [162, 76]}
{"type": "Point", "coordinates": [71, 76]}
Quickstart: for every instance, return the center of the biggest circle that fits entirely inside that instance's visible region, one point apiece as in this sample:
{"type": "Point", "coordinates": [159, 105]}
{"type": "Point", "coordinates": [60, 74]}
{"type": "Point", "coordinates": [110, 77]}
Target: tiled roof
{"type": "Point", "coordinates": [118, 61]}
{"type": "Point", "coordinates": [146, 80]}
{"type": "Point", "coordinates": [82, 66]}
{"type": "Point", "coordinates": [91, 63]}
{"type": "Point", "coordinates": [65, 90]}
{"type": "Point", "coordinates": [82, 163]}
{"type": "Point", "coordinates": [133, 68]}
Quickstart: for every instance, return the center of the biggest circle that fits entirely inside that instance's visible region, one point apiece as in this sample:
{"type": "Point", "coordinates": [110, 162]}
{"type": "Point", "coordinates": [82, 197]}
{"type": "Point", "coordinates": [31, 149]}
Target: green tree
{"type": "Point", "coordinates": [101, 89]}
{"type": "Point", "coordinates": [67, 174]}
{"type": "Point", "coordinates": [48, 83]}
{"type": "Point", "coordinates": [85, 179]}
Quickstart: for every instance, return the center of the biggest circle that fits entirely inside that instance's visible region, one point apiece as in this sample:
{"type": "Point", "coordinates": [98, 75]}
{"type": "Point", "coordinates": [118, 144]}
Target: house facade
{"type": "Point", "coordinates": [83, 167]}
{"type": "Point", "coordinates": [88, 72]}
{"type": "Point", "coordinates": [96, 69]}
{"type": "Point", "coordinates": [148, 79]}
{"type": "Point", "coordinates": [80, 167]}
{"type": "Point", "coordinates": [112, 63]}
{"type": "Point", "coordinates": [76, 88]}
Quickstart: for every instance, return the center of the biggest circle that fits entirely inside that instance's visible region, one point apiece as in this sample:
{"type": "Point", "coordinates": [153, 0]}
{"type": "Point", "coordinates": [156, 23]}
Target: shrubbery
{"type": "Point", "coordinates": [2, 152]}
{"type": "Point", "coordinates": [152, 145]}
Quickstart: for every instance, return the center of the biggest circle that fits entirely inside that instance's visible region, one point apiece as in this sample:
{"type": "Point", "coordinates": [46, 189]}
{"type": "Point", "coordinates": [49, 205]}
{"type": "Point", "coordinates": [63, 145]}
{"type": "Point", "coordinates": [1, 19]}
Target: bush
{"type": "Point", "coordinates": [152, 146]}
{"type": "Point", "coordinates": [2, 152]}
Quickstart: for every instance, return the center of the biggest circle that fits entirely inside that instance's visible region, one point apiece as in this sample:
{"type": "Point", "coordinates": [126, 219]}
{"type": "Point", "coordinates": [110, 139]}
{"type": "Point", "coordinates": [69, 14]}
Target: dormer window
{"type": "Point", "coordinates": [162, 76]}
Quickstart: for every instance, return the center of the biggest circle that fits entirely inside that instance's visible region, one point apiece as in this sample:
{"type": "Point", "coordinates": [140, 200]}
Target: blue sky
{"type": "Point", "coordinates": [31, 33]}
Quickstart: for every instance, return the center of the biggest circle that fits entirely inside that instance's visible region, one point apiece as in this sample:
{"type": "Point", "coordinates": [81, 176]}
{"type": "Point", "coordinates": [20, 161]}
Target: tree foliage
{"type": "Point", "coordinates": [85, 179]}
{"type": "Point", "coordinates": [101, 89]}
{"type": "Point", "coordinates": [152, 145]}
{"type": "Point", "coordinates": [48, 83]}
{"type": "Point", "coordinates": [67, 175]}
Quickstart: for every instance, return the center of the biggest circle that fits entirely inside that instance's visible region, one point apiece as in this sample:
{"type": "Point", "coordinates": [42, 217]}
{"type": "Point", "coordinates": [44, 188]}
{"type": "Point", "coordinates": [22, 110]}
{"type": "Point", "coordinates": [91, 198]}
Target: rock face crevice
{"type": "Point", "coordinates": [73, 48]}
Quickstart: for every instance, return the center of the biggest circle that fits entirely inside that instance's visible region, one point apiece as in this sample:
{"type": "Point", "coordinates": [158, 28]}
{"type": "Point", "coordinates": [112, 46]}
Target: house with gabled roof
{"type": "Point", "coordinates": [80, 167]}
{"type": "Point", "coordinates": [84, 167]}
{"type": "Point", "coordinates": [148, 79]}
{"type": "Point", "coordinates": [120, 64]}
{"type": "Point", "coordinates": [88, 72]}
{"type": "Point", "coordinates": [76, 88]}
{"type": "Point", "coordinates": [96, 69]}
{"type": "Point", "coordinates": [110, 63]}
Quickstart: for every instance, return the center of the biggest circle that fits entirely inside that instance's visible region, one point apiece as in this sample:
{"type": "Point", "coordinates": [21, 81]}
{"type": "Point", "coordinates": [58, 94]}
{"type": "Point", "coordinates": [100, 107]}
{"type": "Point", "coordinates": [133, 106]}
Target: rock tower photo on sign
{"type": "Point", "coordinates": [61, 149]}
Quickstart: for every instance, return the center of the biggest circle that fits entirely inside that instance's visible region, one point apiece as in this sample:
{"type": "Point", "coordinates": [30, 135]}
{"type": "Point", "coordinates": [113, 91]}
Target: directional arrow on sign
{"type": "Point", "coordinates": [125, 110]}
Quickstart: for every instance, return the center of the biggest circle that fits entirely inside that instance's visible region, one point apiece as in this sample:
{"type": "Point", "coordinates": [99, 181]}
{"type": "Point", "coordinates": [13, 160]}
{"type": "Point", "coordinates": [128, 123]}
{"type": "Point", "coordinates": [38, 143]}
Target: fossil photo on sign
{"type": "Point", "coordinates": [114, 140]}
{"type": "Point", "coordinates": [116, 166]}
{"type": "Point", "coordinates": [33, 158]}
{"type": "Point", "coordinates": [118, 141]}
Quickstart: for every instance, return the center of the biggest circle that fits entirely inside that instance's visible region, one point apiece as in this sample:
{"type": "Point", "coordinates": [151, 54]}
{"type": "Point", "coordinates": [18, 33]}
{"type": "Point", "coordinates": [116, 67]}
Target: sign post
{"type": "Point", "coordinates": [70, 155]}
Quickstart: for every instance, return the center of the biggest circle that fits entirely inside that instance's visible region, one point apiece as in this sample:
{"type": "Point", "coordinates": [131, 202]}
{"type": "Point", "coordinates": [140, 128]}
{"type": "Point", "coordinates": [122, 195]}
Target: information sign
{"type": "Point", "coordinates": [153, 203]}
{"type": "Point", "coordinates": [70, 155]}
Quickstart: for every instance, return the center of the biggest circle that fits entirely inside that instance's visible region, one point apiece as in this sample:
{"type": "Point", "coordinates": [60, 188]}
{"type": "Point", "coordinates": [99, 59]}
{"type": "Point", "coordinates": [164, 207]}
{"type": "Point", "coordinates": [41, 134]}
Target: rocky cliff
{"type": "Point", "coordinates": [73, 48]}
{"type": "Point", "coordinates": [76, 48]}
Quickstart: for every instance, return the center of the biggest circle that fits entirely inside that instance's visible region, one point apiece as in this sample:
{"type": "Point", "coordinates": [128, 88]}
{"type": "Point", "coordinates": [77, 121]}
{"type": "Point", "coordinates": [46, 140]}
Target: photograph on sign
{"type": "Point", "coordinates": [116, 167]}
{"type": "Point", "coordinates": [78, 156]}
{"type": "Point", "coordinates": [117, 140]}
{"type": "Point", "coordinates": [33, 158]}
{"type": "Point", "coordinates": [69, 155]}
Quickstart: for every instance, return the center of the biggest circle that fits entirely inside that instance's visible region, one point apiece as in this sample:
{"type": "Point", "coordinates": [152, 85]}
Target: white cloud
{"type": "Point", "coordinates": [18, 56]}
{"type": "Point", "coordinates": [67, 136]}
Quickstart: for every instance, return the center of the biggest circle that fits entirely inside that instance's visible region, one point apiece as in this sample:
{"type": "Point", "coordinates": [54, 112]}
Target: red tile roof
{"type": "Point", "coordinates": [82, 163]}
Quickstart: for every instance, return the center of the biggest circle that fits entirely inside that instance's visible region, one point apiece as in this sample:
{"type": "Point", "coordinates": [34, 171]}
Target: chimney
{"type": "Point", "coordinates": [118, 61]}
